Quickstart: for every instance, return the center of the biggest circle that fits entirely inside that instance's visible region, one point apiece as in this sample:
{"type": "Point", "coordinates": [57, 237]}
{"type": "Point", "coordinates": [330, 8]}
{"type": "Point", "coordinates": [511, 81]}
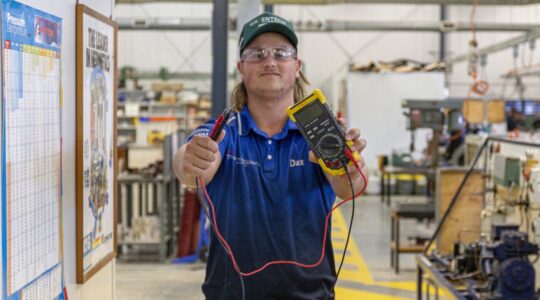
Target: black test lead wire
{"type": "Point", "coordinates": [344, 162]}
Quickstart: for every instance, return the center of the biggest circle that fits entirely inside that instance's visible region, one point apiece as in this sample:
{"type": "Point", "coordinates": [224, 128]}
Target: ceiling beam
{"type": "Point", "coordinates": [510, 43]}
{"type": "Point", "coordinates": [328, 25]}
{"type": "Point", "coordinates": [438, 26]}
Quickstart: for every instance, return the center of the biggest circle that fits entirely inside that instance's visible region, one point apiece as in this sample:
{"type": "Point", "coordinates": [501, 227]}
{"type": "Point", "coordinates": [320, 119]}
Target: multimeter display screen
{"type": "Point", "coordinates": [309, 113]}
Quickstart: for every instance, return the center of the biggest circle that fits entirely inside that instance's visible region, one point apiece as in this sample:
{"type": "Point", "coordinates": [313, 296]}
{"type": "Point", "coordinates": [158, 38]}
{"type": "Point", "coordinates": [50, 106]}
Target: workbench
{"type": "Point", "coordinates": [428, 272]}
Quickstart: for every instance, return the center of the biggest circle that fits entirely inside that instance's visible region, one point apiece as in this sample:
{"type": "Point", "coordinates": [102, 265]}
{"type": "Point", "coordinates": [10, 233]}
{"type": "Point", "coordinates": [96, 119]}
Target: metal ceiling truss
{"type": "Point", "coordinates": [328, 25]}
{"type": "Point", "coordinates": [529, 37]}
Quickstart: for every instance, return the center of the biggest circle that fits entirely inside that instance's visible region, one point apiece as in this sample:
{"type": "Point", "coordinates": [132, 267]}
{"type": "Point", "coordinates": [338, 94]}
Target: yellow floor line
{"type": "Point", "coordinates": [354, 294]}
{"type": "Point", "coordinates": [356, 270]}
{"type": "Point", "coordinates": [403, 285]}
{"type": "Point", "coordinates": [400, 285]}
{"type": "Point", "coordinates": [361, 274]}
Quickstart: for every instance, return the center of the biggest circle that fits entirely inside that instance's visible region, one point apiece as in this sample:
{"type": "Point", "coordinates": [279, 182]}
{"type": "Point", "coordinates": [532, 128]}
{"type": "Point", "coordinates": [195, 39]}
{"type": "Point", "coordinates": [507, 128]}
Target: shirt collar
{"type": "Point", "coordinates": [247, 124]}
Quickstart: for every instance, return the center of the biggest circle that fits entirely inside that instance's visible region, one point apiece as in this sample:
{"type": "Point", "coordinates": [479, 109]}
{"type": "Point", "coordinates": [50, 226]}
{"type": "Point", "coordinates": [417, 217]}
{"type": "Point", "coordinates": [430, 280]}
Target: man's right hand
{"type": "Point", "coordinates": [200, 157]}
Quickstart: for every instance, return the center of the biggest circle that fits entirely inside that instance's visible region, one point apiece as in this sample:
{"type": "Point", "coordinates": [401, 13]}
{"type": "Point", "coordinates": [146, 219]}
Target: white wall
{"type": "Point", "coordinates": [374, 106]}
{"type": "Point", "coordinates": [101, 286]}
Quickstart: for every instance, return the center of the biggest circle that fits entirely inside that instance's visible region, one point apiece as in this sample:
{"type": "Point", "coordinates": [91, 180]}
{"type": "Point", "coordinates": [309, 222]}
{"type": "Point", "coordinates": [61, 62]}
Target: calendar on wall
{"type": "Point", "coordinates": [32, 266]}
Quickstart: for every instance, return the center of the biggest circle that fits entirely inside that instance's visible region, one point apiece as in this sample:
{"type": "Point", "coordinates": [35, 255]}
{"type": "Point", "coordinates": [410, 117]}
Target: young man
{"type": "Point", "coordinates": [270, 198]}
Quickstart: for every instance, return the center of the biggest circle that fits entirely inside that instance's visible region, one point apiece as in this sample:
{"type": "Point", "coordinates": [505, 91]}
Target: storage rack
{"type": "Point", "coordinates": [151, 196]}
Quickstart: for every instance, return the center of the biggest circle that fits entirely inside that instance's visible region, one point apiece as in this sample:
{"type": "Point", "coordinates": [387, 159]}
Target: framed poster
{"type": "Point", "coordinates": [96, 167]}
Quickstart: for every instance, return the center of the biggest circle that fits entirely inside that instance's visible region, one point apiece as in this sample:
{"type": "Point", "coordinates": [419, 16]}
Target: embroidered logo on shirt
{"type": "Point", "coordinates": [296, 163]}
{"type": "Point", "coordinates": [242, 161]}
{"type": "Point", "coordinates": [202, 131]}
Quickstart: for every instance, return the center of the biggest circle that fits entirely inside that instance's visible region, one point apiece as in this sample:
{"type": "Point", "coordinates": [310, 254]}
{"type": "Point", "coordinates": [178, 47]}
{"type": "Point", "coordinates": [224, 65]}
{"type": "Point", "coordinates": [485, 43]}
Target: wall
{"type": "Point", "coordinates": [101, 286]}
{"type": "Point", "coordinates": [374, 105]}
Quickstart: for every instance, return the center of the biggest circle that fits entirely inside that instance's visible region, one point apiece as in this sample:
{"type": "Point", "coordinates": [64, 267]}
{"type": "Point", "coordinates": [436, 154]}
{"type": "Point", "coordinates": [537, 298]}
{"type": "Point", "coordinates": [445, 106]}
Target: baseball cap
{"type": "Point", "coordinates": [266, 22]}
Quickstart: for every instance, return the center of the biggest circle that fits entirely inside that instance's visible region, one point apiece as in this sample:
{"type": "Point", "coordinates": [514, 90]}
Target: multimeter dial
{"type": "Point", "coordinates": [330, 148]}
{"type": "Point", "coordinates": [330, 145]}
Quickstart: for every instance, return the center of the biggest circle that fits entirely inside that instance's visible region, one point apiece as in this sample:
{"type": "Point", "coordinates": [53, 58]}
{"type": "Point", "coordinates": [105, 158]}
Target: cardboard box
{"type": "Point", "coordinates": [157, 86]}
{"type": "Point", "coordinates": [173, 86]}
{"type": "Point", "coordinates": [205, 103]}
{"type": "Point", "coordinates": [160, 86]}
{"type": "Point", "coordinates": [473, 111]}
{"type": "Point", "coordinates": [168, 97]}
{"type": "Point", "coordinates": [495, 111]}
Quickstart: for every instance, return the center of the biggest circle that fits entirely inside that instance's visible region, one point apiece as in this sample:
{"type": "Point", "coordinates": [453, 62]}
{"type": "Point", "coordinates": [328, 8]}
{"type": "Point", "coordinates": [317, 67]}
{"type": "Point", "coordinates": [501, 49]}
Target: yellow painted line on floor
{"type": "Point", "coordinates": [361, 272]}
{"type": "Point", "coordinates": [400, 285]}
{"type": "Point", "coordinates": [404, 286]}
{"type": "Point", "coordinates": [354, 294]}
{"type": "Point", "coordinates": [355, 269]}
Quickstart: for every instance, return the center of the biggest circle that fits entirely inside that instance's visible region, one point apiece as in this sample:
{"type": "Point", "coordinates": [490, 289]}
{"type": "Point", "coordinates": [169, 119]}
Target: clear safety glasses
{"type": "Point", "coordinates": [258, 54]}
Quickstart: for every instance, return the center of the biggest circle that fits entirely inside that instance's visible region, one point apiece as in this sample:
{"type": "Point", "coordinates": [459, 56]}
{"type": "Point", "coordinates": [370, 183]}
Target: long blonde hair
{"type": "Point", "coordinates": [239, 93]}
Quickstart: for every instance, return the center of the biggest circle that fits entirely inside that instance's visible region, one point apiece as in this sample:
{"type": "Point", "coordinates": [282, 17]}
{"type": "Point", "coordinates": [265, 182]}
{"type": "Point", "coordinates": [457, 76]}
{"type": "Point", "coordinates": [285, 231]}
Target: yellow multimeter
{"type": "Point", "coordinates": [322, 131]}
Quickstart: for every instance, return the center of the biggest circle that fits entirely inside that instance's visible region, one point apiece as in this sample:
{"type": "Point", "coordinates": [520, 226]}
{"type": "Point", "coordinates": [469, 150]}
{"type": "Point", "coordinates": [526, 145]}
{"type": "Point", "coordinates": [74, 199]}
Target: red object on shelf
{"type": "Point", "coordinates": [189, 228]}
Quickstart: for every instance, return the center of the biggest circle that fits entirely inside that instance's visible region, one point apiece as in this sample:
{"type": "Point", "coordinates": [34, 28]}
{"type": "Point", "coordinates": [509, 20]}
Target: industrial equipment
{"type": "Point", "coordinates": [431, 114]}
{"type": "Point", "coordinates": [498, 269]}
{"type": "Point", "coordinates": [506, 170]}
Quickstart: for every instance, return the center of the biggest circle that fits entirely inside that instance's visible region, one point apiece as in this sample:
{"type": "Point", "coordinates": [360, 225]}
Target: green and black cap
{"type": "Point", "coordinates": [266, 22]}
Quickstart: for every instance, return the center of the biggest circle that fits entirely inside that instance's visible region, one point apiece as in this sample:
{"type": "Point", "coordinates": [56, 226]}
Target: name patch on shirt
{"type": "Point", "coordinates": [296, 163]}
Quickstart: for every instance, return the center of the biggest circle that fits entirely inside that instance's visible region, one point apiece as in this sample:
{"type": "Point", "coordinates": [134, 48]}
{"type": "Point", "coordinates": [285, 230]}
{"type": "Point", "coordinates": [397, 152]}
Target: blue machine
{"type": "Point", "coordinates": [514, 274]}
{"type": "Point", "coordinates": [499, 270]}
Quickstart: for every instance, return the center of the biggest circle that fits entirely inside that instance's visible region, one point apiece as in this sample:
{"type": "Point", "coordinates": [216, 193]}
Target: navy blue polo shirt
{"type": "Point", "coordinates": [271, 203]}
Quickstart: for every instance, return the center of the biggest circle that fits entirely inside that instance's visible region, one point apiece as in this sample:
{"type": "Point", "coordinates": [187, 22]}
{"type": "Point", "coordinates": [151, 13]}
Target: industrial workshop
{"type": "Point", "coordinates": [270, 149]}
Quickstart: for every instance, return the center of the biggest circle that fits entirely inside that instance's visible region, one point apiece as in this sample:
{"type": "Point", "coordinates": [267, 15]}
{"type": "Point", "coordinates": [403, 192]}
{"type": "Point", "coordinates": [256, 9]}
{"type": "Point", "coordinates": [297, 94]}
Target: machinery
{"type": "Point", "coordinates": [438, 115]}
{"type": "Point", "coordinates": [496, 270]}
{"type": "Point", "coordinates": [500, 266]}
{"type": "Point", "coordinates": [431, 114]}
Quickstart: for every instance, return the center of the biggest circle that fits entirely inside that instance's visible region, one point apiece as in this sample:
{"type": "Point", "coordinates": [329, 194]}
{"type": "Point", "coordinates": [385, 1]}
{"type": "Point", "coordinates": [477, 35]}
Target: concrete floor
{"type": "Point", "coordinates": [366, 274]}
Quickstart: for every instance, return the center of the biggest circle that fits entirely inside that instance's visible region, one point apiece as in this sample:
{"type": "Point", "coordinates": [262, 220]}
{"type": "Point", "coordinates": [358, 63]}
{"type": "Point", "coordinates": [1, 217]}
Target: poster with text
{"type": "Point", "coordinates": [96, 141]}
{"type": "Point", "coordinates": [31, 185]}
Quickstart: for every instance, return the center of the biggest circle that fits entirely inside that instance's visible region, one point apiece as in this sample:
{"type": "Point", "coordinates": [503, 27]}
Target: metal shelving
{"type": "Point", "coordinates": [144, 199]}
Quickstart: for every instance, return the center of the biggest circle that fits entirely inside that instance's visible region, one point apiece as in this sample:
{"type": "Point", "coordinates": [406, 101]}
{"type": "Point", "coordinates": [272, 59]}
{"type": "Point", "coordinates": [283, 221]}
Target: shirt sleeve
{"type": "Point", "coordinates": [205, 129]}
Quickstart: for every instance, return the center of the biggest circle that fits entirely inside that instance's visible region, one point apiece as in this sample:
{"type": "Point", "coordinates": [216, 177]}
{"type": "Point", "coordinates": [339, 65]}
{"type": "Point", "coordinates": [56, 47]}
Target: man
{"type": "Point", "coordinates": [270, 200]}
{"type": "Point", "coordinates": [514, 120]}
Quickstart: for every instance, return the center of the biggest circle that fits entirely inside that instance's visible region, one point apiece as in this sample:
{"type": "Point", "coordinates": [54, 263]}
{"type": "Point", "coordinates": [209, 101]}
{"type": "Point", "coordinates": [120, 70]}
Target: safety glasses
{"type": "Point", "coordinates": [259, 54]}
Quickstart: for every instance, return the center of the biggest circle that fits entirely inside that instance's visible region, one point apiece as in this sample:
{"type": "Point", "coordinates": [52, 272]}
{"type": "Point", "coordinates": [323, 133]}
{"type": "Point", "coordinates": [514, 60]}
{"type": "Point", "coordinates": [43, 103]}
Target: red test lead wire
{"type": "Point", "coordinates": [216, 126]}
{"type": "Point", "coordinates": [282, 262]}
